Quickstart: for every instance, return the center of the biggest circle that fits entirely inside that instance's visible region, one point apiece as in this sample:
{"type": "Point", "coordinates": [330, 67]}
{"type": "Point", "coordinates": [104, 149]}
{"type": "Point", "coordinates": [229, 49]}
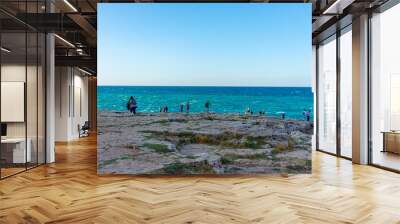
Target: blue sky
{"type": "Point", "coordinates": [204, 44]}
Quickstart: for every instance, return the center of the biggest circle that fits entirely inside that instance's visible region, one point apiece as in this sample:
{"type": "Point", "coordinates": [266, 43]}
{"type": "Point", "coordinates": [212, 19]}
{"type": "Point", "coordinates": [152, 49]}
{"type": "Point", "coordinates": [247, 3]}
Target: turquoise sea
{"type": "Point", "coordinates": [291, 100]}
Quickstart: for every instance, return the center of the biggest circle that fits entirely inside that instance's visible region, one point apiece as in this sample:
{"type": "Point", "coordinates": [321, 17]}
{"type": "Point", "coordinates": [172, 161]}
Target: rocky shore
{"type": "Point", "coordinates": [203, 143]}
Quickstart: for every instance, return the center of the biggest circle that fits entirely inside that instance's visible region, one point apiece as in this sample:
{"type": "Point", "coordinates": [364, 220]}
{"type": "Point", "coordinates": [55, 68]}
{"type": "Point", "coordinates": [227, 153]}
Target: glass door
{"type": "Point", "coordinates": [22, 77]}
{"type": "Point", "coordinates": [14, 155]}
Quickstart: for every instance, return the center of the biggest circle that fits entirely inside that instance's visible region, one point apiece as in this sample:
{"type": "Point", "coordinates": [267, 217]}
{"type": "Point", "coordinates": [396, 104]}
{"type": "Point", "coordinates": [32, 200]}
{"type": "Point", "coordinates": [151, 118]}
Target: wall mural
{"type": "Point", "coordinates": [204, 89]}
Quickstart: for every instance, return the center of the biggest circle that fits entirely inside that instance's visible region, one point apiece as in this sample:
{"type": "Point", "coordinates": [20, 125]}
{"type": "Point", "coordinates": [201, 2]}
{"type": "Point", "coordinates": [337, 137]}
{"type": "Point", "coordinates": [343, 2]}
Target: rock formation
{"type": "Point", "coordinates": [202, 143]}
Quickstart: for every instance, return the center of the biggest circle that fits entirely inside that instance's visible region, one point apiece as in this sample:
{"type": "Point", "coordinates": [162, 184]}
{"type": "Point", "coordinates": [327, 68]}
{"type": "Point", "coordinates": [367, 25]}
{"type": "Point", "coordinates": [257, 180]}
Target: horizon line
{"type": "Point", "coordinates": [206, 86]}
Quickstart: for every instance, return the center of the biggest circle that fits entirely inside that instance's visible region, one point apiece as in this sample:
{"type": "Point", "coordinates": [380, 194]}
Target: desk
{"type": "Point", "coordinates": [391, 141]}
{"type": "Point", "coordinates": [18, 151]}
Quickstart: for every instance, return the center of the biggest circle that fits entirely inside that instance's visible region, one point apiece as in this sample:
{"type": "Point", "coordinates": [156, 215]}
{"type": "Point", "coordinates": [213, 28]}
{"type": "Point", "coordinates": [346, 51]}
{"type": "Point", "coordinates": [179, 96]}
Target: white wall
{"type": "Point", "coordinates": [9, 73]}
{"type": "Point", "coordinates": [12, 73]}
{"type": "Point", "coordinates": [33, 127]}
{"type": "Point", "coordinates": [80, 110]}
{"type": "Point", "coordinates": [71, 102]}
{"type": "Point", "coordinates": [62, 82]}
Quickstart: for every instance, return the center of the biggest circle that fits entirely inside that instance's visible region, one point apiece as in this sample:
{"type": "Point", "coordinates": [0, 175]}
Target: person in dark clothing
{"type": "Point", "coordinates": [308, 115]}
{"type": "Point", "coordinates": [132, 105]}
{"type": "Point", "coordinates": [207, 106]}
{"type": "Point", "coordinates": [187, 106]}
{"type": "Point", "coordinates": [181, 107]}
{"type": "Point", "coordinates": [304, 114]}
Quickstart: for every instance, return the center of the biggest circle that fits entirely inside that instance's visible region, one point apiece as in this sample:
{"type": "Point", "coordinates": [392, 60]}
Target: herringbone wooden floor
{"type": "Point", "coordinates": [70, 191]}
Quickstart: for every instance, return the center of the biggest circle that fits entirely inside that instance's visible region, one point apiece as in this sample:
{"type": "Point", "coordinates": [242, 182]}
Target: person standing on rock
{"type": "Point", "coordinates": [181, 107]}
{"type": "Point", "coordinates": [132, 105]}
{"type": "Point", "coordinates": [187, 106]}
{"type": "Point", "coordinates": [308, 114]}
{"type": "Point", "coordinates": [247, 111]}
{"type": "Point", "coordinates": [304, 114]}
{"type": "Point", "coordinates": [207, 106]}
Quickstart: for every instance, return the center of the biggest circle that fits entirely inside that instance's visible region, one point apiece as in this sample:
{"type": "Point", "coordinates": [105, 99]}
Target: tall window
{"type": "Point", "coordinates": [346, 92]}
{"type": "Point", "coordinates": [327, 95]}
{"type": "Point", "coordinates": [385, 89]}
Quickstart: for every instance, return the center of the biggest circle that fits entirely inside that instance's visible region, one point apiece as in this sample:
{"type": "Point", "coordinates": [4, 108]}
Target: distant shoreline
{"type": "Point", "coordinates": [196, 114]}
